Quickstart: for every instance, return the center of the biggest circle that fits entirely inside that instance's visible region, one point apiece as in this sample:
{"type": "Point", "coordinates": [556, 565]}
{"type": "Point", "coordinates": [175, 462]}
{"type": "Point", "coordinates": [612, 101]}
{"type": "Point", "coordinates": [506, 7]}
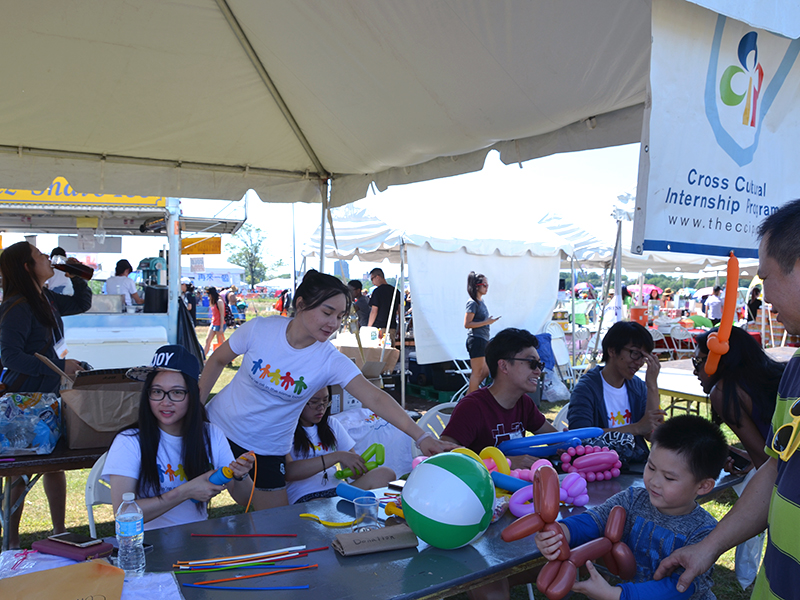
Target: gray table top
{"type": "Point", "coordinates": [406, 574]}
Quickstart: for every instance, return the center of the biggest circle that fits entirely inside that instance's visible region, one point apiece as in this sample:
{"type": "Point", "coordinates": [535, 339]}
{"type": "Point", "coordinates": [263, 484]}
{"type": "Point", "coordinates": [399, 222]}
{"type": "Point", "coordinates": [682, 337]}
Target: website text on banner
{"type": "Point", "coordinates": [719, 141]}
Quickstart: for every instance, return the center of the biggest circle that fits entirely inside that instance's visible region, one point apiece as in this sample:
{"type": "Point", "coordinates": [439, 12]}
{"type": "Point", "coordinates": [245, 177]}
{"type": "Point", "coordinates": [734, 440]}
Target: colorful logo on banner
{"type": "Point", "coordinates": [749, 70]}
{"type": "Point", "coordinates": [739, 90]}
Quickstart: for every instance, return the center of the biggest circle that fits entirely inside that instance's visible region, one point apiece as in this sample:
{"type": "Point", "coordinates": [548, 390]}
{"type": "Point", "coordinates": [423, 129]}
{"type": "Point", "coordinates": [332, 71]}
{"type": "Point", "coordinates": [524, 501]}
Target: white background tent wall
{"type": "Point", "coordinates": [523, 278]}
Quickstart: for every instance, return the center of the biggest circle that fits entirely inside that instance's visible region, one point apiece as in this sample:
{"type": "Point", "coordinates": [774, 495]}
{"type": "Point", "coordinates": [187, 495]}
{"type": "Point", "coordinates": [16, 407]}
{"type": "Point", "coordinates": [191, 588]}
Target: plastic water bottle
{"type": "Point", "coordinates": [130, 536]}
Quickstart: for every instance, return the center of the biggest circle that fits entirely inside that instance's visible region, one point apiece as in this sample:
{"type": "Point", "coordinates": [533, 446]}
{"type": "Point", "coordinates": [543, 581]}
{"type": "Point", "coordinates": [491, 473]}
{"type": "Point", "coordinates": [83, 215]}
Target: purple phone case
{"type": "Point", "coordinates": [74, 552]}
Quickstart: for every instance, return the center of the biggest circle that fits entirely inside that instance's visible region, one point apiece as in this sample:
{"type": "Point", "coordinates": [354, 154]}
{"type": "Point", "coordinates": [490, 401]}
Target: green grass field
{"type": "Point", "coordinates": [36, 520]}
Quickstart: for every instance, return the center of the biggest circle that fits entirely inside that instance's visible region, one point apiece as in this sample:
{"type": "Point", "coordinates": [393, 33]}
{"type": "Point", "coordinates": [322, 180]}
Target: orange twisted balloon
{"type": "Point", "coordinates": [717, 342]}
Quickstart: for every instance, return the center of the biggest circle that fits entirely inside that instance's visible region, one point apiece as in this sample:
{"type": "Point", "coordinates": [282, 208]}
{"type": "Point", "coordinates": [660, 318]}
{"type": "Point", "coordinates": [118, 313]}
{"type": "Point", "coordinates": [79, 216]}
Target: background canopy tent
{"type": "Point", "coordinates": [591, 252]}
{"type": "Point", "coordinates": [280, 96]}
{"type": "Point", "coordinates": [523, 278]}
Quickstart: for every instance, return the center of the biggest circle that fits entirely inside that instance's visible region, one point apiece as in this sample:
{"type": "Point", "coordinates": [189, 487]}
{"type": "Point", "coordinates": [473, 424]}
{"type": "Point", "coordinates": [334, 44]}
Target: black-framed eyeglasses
{"type": "Point", "coordinates": [176, 395]}
{"type": "Point", "coordinates": [319, 404]}
{"type": "Point", "coordinates": [635, 354]}
{"type": "Point", "coordinates": [698, 361]}
{"type": "Point", "coordinates": [786, 439]}
{"type": "Point", "coordinates": [532, 363]}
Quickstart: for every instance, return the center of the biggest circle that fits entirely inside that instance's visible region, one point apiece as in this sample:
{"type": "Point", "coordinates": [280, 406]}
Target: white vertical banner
{"type": "Point", "coordinates": [720, 138]}
{"type": "Point", "coordinates": [522, 292]}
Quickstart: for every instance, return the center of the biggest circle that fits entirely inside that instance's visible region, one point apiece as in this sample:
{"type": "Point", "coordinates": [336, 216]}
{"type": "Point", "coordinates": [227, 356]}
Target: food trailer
{"type": "Point", "coordinates": [110, 335]}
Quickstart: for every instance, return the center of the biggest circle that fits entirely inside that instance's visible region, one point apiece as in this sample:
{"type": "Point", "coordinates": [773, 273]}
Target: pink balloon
{"type": "Point", "coordinates": [580, 450]}
{"type": "Point", "coordinates": [581, 500]}
{"type": "Point", "coordinates": [542, 462]}
{"type": "Point", "coordinates": [615, 472]}
{"type": "Point", "coordinates": [590, 476]}
{"type": "Point", "coordinates": [565, 458]}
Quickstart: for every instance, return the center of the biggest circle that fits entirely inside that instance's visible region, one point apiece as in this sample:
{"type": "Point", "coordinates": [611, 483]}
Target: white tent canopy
{"type": "Point", "coordinates": [523, 278]}
{"type": "Point", "coordinates": [592, 252]}
{"type": "Point", "coordinates": [209, 98]}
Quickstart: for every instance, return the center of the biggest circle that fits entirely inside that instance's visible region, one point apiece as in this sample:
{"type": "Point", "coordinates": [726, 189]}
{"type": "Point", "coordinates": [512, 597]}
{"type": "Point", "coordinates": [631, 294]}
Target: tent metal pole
{"type": "Point", "coordinates": [618, 276]}
{"type": "Point", "coordinates": [402, 316]}
{"type": "Point", "coordinates": [294, 254]}
{"type": "Point", "coordinates": [324, 193]}
{"type": "Point", "coordinates": [572, 296]}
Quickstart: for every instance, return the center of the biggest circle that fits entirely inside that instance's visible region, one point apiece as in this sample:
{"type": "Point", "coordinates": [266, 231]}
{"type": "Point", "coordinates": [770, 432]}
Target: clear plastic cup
{"type": "Point", "coordinates": [366, 514]}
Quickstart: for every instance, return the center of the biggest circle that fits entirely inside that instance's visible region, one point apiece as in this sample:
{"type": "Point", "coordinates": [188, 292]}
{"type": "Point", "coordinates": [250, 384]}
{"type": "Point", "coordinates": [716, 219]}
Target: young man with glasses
{"type": "Point", "coordinates": [772, 498]}
{"type": "Point", "coordinates": [502, 411]}
{"type": "Point", "coordinates": [613, 397]}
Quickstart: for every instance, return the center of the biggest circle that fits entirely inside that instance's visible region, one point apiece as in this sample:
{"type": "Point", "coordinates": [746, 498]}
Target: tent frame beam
{"type": "Point", "coordinates": [271, 87]}
{"type": "Point", "coordinates": [151, 162]}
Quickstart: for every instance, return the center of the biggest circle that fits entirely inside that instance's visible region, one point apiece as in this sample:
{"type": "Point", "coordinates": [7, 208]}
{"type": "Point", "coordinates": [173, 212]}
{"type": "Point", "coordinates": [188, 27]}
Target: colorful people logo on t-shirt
{"type": "Point", "coordinates": [171, 474]}
{"type": "Point", "coordinates": [286, 381]}
{"type": "Point", "coordinates": [619, 418]}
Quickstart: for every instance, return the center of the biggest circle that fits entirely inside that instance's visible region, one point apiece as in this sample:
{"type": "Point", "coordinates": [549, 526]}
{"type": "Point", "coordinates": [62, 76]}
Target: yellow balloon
{"type": "Point", "coordinates": [499, 459]}
{"type": "Point", "coordinates": [471, 454]}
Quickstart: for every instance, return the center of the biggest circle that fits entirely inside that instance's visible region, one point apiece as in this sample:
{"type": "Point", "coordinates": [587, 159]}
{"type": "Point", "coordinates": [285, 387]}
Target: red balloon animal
{"type": "Point", "coordinates": [557, 577]}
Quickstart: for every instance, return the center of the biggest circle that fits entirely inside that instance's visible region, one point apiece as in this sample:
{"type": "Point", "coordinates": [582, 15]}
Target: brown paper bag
{"type": "Point", "coordinates": [95, 409]}
{"type": "Point", "coordinates": [90, 579]}
{"type": "Point", "coordinates": [382, 539]}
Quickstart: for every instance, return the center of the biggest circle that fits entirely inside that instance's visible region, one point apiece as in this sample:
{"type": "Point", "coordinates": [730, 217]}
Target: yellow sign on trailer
{"type": "Point", "coordinates": [201, 245]}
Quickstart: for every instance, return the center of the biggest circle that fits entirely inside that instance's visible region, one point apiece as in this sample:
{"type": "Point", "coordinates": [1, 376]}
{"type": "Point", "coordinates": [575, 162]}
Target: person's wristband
{"type": "Point", "coordinates": [418, 441]}
{"type": "Point", "coordinates": [238, 478]}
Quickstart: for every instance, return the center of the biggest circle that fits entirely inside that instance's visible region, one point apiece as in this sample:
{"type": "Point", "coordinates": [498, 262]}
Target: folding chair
{"type": "Point", "coordinates": [682, 341]}
{"type": "Point", "coordinates": [435, 420]}
{"type": "Point", "coordinates": [97, 492]}
{"type": "Point", "coordinates": [659, 337]}
{"type": "Point", "coordinates": [560, 422]}
{"type": "Point", "coordinates": [563, 364]}
{"type": "Point", "coordinates": [462, 368]}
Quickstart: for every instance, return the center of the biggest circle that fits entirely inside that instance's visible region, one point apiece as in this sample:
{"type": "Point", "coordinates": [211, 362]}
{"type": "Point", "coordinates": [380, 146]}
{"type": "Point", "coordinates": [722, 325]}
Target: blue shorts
{"type": "Point", "coordinates": [215, 328]}
{"type": "Point", "coordinates": [476, 346]}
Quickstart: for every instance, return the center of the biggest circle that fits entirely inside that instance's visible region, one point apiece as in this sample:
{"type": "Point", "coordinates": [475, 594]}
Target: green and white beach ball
{"type": "Point", "coordinates": [448, 500]}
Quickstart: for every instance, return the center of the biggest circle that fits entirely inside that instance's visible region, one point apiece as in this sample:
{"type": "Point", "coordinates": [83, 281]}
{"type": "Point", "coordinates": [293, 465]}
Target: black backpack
{"type": "Point", "coordinates": [230, 321]}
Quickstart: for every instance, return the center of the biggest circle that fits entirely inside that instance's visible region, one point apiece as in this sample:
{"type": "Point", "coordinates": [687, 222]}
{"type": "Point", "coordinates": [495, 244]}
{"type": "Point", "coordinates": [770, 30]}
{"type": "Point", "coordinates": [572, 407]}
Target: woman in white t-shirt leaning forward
{"type": "Point", "coordinates": [320, 443]}
{"type": "Point", "coordinates": [284, 362]}
{"type": "Point", "coordinates": [167, 459]}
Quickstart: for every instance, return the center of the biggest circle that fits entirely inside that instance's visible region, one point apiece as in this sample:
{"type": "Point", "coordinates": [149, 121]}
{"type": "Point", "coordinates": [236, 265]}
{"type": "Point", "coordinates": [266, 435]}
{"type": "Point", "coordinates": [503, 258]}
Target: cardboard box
{"type": "Point", "coordinates": [342, 400]}
{"type": "Point", "coordinates": [372, 355]}
{"type": "Point", "coordinates": [97, 407]}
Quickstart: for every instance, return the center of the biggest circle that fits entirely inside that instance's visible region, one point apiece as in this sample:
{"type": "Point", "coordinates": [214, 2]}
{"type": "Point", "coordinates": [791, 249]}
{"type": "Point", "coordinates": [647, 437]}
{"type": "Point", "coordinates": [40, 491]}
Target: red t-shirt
{"type": "Point", "coordinates": [479, 421]}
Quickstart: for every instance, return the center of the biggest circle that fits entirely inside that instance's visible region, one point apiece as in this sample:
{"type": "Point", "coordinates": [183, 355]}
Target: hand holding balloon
{"type": "Point", "coordinates": [718, 341]}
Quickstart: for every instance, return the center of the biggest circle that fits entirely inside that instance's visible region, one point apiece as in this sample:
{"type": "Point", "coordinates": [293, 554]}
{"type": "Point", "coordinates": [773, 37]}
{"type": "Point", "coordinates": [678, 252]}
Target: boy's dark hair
{"type": "Point", "coordinates": [698, 440]}
{"type": "Point", "coordinates": [783, 228]}
{"type": "Point", "coordinates": [626, 332]}
{"type": "Point", "coordinates": [717, 288]}
{"type": "Point", "coordinates": [507, 344]}
{"type": "Point", "coordinates": [355, 284]}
